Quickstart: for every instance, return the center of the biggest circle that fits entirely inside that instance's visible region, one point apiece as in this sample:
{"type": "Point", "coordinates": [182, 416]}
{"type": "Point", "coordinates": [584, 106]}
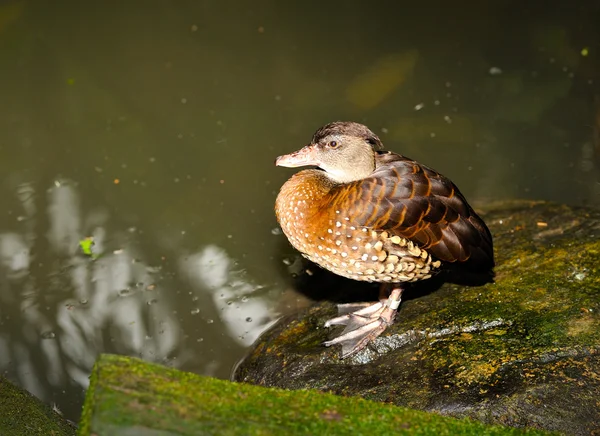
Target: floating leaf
{"type": "Point", "coordinates": [86, 245]}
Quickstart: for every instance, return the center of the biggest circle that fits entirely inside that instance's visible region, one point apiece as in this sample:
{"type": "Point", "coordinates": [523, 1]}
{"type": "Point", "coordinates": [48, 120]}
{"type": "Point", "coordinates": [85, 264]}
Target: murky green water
{"type": "Point", "coordinates": [152, 127]}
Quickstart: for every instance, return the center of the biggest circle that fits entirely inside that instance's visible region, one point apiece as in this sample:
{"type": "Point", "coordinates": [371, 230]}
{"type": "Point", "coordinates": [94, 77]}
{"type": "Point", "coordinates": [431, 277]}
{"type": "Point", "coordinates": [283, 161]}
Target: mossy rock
{"type": "Point", "coordinates": [130, 397]}
{"type": "Point", "coordinates": [522, 351]}
{"type": "Point", "coordinates": [23, 414]}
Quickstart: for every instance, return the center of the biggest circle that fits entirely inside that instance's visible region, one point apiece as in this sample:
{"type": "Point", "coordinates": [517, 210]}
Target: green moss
{"type": "Point", "coordinates": [23, 414]}
{"type": "Point", "coordinates": [521, 351]}
{"type": "Point", "coordinates": [127, 394]}
{"type": "Point", "coordinates": [89, 406]}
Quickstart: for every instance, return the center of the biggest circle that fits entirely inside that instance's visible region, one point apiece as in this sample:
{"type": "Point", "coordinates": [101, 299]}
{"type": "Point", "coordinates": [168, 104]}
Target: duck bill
{"type": "Point", "coordinates": [301, 158]}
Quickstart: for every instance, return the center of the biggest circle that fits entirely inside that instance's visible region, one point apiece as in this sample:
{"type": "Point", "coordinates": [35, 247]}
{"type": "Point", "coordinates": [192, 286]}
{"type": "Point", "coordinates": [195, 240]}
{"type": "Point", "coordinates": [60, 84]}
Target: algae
{"type": "Point", "coordinates": [128, 396]}
{"type": "Point", "coordinates": [23, 414]}
{"type": "Point", "coordinates": [522, 351]}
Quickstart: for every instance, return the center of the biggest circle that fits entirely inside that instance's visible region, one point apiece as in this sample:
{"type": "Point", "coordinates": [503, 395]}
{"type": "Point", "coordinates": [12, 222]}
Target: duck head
{"type": "Point", "coordinates": [345, 151]}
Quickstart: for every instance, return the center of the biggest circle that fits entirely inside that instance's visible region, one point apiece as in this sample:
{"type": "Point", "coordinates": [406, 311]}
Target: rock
{"type": "Point", "coordinates": [22, 414]}
{"type": "Point", "coordinates": [129, 397]}
{"type": "Point", "coordinates": [522, 351]}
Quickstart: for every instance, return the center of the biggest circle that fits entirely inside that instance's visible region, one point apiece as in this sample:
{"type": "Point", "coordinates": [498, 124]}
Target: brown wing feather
{"type": "Point", "coordinates": [417, 203]}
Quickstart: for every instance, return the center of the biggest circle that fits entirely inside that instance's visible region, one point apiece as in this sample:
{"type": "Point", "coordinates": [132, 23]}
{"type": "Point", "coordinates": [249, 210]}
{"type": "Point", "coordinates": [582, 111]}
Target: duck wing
{"type": "Point", "coordinates": [419, 204]}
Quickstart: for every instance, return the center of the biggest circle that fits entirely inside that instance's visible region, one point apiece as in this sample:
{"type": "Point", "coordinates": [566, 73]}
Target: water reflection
{"type": "Point", "coordinates": [57, 317]}
{"type": "Point", "coordinates": [210, 271]}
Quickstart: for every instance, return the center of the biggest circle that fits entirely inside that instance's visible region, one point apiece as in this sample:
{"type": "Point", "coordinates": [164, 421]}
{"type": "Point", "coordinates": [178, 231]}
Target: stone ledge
{"type": "Point", "coordinates": [130, 397]}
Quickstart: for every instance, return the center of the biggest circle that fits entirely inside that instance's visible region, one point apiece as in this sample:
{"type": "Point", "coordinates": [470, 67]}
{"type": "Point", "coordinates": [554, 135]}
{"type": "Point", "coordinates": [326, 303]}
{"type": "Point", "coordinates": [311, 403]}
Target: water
{"type": "Point", "coordinates": [152, 127]}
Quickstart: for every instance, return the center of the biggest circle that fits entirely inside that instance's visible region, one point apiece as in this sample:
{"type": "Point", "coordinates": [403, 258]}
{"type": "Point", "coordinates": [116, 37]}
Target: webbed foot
{"type": "Point", "coordinates": [365, 324]}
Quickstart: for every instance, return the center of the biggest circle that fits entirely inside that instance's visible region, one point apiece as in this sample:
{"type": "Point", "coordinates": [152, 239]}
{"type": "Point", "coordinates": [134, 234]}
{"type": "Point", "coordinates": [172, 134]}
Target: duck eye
{"type": "Point", "coordinates": [333, 144]}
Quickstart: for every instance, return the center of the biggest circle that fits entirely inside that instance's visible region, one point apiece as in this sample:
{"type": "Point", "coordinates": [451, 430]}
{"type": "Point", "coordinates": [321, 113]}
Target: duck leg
{"type": "Point", "coordinates": [365, 324]}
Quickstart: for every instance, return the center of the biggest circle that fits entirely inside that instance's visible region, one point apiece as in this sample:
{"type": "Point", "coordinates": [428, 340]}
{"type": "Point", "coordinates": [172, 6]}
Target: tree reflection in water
{"type": "Point", "coordinates": [59, 308]}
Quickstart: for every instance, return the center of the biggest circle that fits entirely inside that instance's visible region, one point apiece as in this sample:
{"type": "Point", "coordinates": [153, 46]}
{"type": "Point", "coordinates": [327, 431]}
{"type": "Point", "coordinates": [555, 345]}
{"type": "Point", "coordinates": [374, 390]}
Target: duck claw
{"type": "Point", "coordinates": [358, 308]}
{"type": "Point", "coordinates": [355, 340]}
{"type": "Point", "coordinates": [365, 312]}
{"type": "Point", "coordinates": [365, 324]}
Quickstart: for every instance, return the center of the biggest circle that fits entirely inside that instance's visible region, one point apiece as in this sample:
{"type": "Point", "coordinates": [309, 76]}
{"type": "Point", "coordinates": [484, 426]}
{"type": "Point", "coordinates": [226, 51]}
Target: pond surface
{"type": "Point", "coordinates": [152, 128]}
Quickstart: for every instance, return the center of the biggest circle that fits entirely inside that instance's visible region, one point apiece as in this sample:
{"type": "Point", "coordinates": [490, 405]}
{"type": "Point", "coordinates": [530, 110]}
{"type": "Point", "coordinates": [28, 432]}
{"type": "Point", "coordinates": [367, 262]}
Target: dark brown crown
{"type": "Point", "coordinates": [348, 128]}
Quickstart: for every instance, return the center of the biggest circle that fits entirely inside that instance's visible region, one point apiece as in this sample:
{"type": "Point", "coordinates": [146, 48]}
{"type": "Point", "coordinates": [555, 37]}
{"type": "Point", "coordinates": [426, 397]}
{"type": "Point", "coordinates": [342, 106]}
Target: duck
{"type": "Point", "coordinates": [372, 215]}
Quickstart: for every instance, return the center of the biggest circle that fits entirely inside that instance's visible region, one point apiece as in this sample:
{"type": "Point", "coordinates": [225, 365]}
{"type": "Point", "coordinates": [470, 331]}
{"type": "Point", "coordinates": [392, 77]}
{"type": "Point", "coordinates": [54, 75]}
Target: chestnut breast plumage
{"type": "Point", "coordinates": [400, 223]}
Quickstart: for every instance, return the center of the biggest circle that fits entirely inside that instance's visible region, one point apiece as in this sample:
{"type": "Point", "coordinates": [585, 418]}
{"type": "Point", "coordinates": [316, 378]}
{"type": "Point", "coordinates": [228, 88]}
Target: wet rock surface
{"type": "Point", "coordinates": [522, 351]}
